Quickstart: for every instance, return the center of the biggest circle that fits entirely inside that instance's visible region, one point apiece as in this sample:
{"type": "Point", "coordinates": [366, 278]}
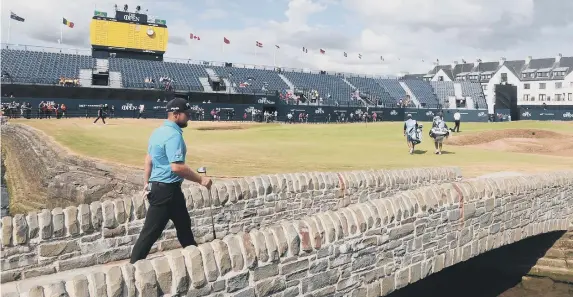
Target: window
{"type": "Point", "coordinates": [526, 86]}
{"type": "Point", "coordinates": [525, 97]}
{"type": "Point", "coordinates": [570, 96]}
{"type": "Point", "coordinates": [532, 75]}
{"type": "Point", "coordinates": [558, 97]}
{"type": "Point", "coordinates": [524, 75]}
{"type": "Point", "coordinates": [504, 77]}
{"type": "Point", "coordinates": [541, 97]}
{"type": "Point", "coordinates": [558, 85]}
{"type": "Point", "coordinates": [542, 86]}
{"type": "Point", "coordinates": [484, 87]}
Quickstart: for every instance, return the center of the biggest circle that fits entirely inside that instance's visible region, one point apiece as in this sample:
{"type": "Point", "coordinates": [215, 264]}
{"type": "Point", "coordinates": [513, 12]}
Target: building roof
{"type": "Point", "coordinates": [516, 66]}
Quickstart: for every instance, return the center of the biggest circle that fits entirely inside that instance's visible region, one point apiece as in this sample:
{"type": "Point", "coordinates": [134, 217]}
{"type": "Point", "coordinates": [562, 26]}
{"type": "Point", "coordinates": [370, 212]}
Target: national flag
{"type": "Point", "coordinates": [359, 56]}
{"type": "Point", "coordinates": [345, 54]}
{"type": "Point", "coordinates": [322, 51]}
{"type": "Point", "coordinates": [68, 23]}
{"type": "Point", "coordinates": [381, 58]}
{"type": "Point", "coordinates": [305, 50]}
{"type": "Point", "coordinates": [278, 47]}
{"type": "Point", "coordinates": [193, 36]}
{"type": "Point", "coordinates": [16, 17]}
{"type": "Point", "coordinates": [464, 61]}
{"type": "Point", "coordinates": [258, 44]}
{"type": "Point", "coordinates": [227, 41]}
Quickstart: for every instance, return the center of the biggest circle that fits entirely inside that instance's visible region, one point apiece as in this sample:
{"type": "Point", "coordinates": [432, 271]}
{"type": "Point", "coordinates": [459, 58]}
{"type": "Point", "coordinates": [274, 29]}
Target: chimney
{"type": "Point", "coordinates": [501, 61]}
{"type": "Point", "coordinates": [454, 64]}
{"type": "Point", "coordinates": [527, 60]}
{"type": "Point", "coordinates": [558, 58]}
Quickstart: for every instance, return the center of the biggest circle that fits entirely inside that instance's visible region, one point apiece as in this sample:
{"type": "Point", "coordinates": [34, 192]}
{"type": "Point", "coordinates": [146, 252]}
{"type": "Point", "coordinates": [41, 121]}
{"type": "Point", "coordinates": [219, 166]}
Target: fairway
{"type": "Point", "coordinates": [235, 149]}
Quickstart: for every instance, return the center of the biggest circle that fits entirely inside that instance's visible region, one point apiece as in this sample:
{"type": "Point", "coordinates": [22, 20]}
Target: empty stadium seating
{"type": "Point", "coordinates": [43, 67]}
{"type": "Point", "coordinates": [475, 91]}
{"type": "Point", "coordinates": [371, 86]}
{"type": "Point", "coordinates": [339, 91]}
{"type": "Point", "coordinates": [443, 89]}
{"type": "Point", "coordinates": [423, 91]}
{"type": "Point", "coordinates": [134, 72]}
{"type": "Point", "coordinates": [36, 66]}
{"type": "Point", "coordinates": [248, 80]}
{"type": "Point", "coordinates": [393, 87]}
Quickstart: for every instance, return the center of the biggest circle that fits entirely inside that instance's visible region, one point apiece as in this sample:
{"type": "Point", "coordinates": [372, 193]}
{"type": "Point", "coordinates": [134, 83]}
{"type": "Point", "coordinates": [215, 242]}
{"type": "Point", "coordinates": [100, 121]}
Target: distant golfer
{"type": "Point", "coordinates": [457, 118]}
{"type": "Point", "coordinates": [165, 170]}
{"type": "Point", "coordinates": [410, 130]}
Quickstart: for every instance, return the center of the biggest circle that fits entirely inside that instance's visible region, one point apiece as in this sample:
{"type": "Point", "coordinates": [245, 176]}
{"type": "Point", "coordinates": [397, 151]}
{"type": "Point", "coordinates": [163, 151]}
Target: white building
{"type": "Point", "coordinates": [546, 81]}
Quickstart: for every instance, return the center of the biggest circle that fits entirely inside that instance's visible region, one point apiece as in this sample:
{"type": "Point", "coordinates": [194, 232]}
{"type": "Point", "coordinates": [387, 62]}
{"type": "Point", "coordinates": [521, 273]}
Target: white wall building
{"type": "Point", "coordinates": [546, 81]}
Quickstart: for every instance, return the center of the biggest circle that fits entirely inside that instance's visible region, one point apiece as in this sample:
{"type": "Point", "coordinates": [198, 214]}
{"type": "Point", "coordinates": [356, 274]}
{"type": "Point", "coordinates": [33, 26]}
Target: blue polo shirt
{"type": "Point", "coordinates": [166, 145]}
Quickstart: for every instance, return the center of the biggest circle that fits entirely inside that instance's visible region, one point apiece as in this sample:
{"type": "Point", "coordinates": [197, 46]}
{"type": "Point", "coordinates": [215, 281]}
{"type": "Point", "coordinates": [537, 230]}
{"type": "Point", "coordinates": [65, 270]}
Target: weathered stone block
{"type": "Point", "coordinates": [119, 208]}
{"type": "Point", "coordinates": [293, 239]}
{"type": "Point", "coordinates": [258, 240]}
{"type": "Point", "coordinates": [221, 253]}
{"type": "Point", "coordinates": [114, 281]}
{"type": "Point", "coordinates": [235, 253]}
{"type": "Point", "coordinates": [71, 221]}
{"type": "Point", "coordinates": [53, 249]}
{"type": "Point", "coordinates": [271, 286]}
{"type": "Point", "coordinates": [145, 279]}
{"type": "Point", "coordinates": [194, 262]}
{"type": "Point", "coordinates": [128, 285]}
{"type": "Point", "coordinates": [20, 228]}
{"type": "Point", "coordinates": [96, 215]}
{"type": "Point", "coordinates": [209, 262]}
{"type": "Point", "coordinates": [180, 279]}
{"type": "Point", "coordinates": [108, 210]}
{"type": "Point", "coordinates": [238, 282]}
{"type": "Point", "coordinates": [163, 274]}
{"type": "Point", "coordinates": [250, 254]}
{"type": "Point", "coordinates": [97, 284]}
{"type": "Point", "coordinates": [58, 222]}
{"type": "Point", "coordinates": [78, 286]}
{"type": "Point", "coordinates": [84, 218]}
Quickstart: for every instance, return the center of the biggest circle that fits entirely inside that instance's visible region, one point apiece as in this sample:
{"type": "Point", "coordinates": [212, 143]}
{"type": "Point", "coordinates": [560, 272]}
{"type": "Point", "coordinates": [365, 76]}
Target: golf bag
{"type": "Point", "coordinates": [416, 134]}
{"type": "Point", "coordinates": [439, 128]}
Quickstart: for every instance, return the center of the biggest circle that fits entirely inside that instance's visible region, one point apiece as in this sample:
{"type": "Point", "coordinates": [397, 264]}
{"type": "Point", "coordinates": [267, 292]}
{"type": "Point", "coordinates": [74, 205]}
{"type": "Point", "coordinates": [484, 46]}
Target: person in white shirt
{"type": "Point", "coordinates": [457, 117]}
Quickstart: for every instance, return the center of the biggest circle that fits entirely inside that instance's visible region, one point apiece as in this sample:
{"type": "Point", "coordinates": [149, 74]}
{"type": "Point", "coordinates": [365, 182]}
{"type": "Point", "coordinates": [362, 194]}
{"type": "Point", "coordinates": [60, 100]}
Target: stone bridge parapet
{"type": "Point", "coordinates": [55, 240]}
{"type": "Point", "coordinates": [368, 248]}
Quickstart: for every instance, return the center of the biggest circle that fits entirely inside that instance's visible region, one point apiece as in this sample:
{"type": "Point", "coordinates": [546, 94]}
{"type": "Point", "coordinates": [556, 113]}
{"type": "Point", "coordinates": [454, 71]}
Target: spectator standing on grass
{"type": "Point", "coordinates": [410, 127]}
{"type": "Point", "coordinates": [165, 170]}
{"type": "Point", "coordinates": [100, 115]}
{"type": "Point", "coordinates": [457, 118]}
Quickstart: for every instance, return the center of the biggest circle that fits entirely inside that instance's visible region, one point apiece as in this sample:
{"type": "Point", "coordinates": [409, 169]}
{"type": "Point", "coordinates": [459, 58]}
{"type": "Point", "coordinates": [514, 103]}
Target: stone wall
{"type": "Point", "coordinates": [39, 167]}
{"type": "Point", "coordinates": [369, 248]}
{"type": "Point", "coordinates": [59, 239]}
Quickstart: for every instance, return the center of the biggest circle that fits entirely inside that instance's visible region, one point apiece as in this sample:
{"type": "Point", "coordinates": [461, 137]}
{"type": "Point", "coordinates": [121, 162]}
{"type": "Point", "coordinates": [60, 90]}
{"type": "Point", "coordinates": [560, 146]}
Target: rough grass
{"type": "Point", "coordinates": [258, 149]}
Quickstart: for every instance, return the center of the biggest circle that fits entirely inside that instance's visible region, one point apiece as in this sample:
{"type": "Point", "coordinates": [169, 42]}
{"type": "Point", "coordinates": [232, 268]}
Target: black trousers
{"type": "Point", "coordinates": [166, 202]}
{"type": "Point", "coordinates": [457, 126]}
{"type": "Point", "coordinates": [100, 117]}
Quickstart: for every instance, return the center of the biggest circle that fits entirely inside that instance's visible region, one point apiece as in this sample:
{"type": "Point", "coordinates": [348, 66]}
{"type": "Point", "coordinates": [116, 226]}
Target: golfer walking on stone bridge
{"type": "Point", "coordinates": [165, 170]}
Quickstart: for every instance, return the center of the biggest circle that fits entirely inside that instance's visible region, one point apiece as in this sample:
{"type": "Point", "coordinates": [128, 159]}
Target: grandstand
{"type": "Point", "coordinates": [22, 66]}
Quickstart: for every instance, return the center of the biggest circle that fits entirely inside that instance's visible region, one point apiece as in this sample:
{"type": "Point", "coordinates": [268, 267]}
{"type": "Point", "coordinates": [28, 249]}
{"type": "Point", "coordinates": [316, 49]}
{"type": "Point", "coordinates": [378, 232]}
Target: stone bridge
{"type": "Point", "coordinates": [360, 233]}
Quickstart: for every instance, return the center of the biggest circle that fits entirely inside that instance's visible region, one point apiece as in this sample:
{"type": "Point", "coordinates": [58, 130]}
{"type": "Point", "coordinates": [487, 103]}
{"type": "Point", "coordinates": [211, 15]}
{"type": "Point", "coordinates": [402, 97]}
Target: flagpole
{"type": "Point", "coordinates": [275, 58]}
{"type": "Point", "coordinates": [9, 27]}
{"type": "Point", "coordinates": [61, 34]}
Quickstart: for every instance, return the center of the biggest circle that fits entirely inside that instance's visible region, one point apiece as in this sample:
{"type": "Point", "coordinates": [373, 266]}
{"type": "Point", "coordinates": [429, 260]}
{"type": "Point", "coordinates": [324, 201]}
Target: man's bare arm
{"type": "Point", "coordinates": [187, 173]}
{"type": "Point", "coordinates": [147, 169]}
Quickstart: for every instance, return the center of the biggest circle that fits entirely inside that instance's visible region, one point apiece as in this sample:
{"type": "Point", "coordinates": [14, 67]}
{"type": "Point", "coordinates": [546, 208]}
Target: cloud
{"type": "Point", "coordinates": [403, 32]}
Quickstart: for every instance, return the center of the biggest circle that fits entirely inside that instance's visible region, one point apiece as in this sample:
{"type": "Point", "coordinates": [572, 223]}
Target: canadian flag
{"type": "Point", "coordinates": [192, 36]}
{"type": "Point", "coordinates": [258, 44]}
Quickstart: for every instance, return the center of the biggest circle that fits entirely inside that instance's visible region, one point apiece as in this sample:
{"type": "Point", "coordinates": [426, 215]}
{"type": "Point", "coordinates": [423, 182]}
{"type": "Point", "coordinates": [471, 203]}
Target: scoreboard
{"type": "Point", "coordinates": [128, 32]}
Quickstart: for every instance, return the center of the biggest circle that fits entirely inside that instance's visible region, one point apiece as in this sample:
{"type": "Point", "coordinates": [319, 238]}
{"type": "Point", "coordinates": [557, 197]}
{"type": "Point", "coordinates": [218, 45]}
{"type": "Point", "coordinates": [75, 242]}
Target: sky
{"type": "Point", "coordinates": [410, 34]}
